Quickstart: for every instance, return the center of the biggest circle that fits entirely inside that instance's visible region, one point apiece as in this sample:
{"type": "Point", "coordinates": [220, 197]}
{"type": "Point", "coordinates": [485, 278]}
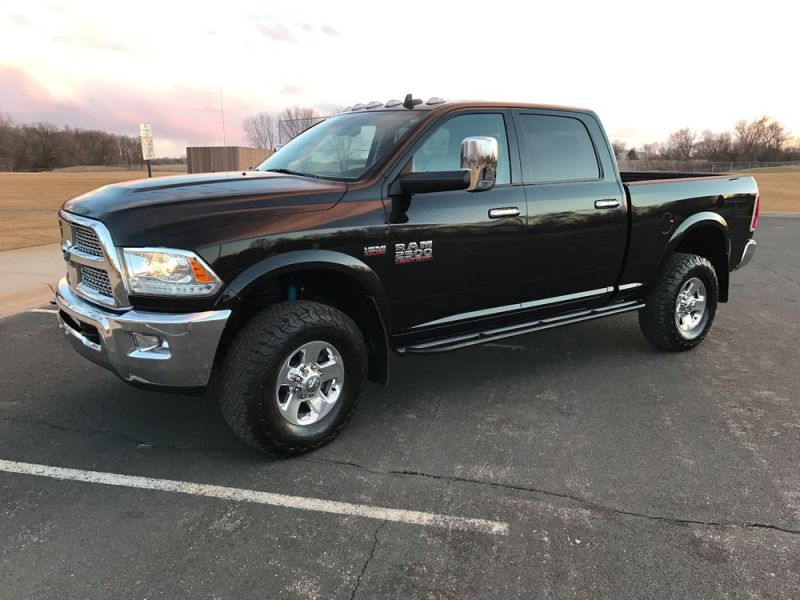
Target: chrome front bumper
{"type": "Point", "coordinates": [747, 254]}
{"type": "Point", "coordinates": [183, 358]}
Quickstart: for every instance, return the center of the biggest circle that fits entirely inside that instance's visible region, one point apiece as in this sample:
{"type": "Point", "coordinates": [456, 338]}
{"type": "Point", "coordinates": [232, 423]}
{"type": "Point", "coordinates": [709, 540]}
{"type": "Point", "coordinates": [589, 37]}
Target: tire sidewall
{"type": "Point", "coordinates": [271, 423]}
{"type": "Point", "coordinates": [705, 274]}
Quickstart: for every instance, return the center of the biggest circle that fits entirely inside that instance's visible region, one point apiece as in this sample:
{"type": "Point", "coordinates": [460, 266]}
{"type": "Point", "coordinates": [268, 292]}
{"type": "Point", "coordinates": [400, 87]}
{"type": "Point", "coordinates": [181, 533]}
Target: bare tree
{"type": "Point", "coordinates": [619, 148]}
{"type": "Point", "coordinates": [46, 138]}
{"type": "Point", "coordinates": [750, 137]}
{"type": "Point", "coordinates": [680, 145]}
{"type": "Point", "coordinates": [633, 154]}
{"type": "Point", "coordinates": [261, 130]}
{"type": "Point", "coordinates": [8, 140]}
{"type": "Point", "coordinates": [714, 146]}
{"type": "Point", "coordinates": [295, 121]}
{"type": "Point", "coordinates": [761, 139]}
{"type": "Point", "coordinates": [775, 139]}
{"type": "Point", "coordinates": [650, 151]}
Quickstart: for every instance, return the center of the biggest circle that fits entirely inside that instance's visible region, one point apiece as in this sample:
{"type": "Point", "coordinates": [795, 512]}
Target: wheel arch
{"type": "Point", "coordinates": [326, 276]}
{"type": "Point", "coordinates": [705, 234]}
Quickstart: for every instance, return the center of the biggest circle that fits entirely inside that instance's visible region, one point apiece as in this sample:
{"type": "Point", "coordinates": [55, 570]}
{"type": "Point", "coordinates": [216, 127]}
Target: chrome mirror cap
{"type": "Point", "coordinates": [479, 157]}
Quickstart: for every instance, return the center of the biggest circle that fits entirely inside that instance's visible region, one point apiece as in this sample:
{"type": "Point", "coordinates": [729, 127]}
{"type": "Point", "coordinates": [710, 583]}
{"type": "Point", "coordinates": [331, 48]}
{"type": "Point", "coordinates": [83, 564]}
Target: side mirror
{"type": "Point", "coordinates": [430, 181]}
{"type": "Point", "coordinates": [479, 159]}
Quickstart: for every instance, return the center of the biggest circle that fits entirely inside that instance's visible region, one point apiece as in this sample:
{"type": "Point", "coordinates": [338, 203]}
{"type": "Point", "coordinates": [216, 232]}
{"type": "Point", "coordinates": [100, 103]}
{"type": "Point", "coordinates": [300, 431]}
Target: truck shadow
{"type": "Point", "coordinates": [84, 399]}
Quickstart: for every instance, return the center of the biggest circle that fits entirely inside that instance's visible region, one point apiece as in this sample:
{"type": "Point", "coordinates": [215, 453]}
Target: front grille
{"type": "Point", "coordinates": [97, 280]}
{"type": "Point", "coordinates": [86, 240]}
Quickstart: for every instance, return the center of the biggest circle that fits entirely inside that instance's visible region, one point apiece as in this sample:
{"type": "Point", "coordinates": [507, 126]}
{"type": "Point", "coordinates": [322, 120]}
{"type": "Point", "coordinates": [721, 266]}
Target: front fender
{"type": "Point", "coordinates": [307, 259]}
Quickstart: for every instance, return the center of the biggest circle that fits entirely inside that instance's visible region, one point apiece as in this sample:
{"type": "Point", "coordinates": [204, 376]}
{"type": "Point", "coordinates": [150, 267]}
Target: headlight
{"type": "Point", "coordinates": [167, 272]}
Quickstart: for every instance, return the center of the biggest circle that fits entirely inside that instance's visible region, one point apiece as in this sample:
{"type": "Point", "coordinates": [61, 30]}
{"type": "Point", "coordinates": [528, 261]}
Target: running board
{"type": "Point", "coordinates": [498, 333]}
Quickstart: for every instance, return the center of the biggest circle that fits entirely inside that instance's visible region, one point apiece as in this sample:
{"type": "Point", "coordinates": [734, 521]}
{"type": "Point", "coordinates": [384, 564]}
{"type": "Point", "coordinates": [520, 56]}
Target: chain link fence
{"type": "Point", "coordinates": [699, 166]}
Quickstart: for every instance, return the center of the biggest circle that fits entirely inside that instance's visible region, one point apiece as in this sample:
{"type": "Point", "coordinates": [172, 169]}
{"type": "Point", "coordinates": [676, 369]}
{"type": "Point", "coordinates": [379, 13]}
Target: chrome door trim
{"type": "Point", "coordinates": [567, 297]}
{"type": "Point", "coordinates": [471, 315]}
{"type": "Point", "coordinates": [628, 286]}
{"type": "Point", "coordinates": [486, 312]}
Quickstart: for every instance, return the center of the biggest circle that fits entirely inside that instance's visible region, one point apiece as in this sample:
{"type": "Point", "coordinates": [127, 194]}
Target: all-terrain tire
{"type": "Point", "coordinates": [657, 319]}
{"type": "Point", "coordinates": [250, 371]}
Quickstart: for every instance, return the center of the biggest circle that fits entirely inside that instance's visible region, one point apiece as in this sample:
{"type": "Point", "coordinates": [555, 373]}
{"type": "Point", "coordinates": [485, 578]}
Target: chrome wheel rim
{"type": "Point", "coordinates": [690, 308]}
{"type": "Point", "coordinates": [309, 383]}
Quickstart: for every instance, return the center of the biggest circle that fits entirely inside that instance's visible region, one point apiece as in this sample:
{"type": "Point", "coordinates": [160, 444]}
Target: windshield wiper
{"type": "Point", "coordinates": [290, 172]}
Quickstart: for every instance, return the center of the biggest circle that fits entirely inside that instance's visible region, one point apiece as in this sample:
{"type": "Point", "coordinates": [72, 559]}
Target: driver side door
{"type": "Point", "coordinates": [457, 255]}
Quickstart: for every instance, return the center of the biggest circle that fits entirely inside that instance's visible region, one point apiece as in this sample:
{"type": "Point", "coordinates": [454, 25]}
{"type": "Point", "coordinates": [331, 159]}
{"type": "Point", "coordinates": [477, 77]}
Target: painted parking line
{"type": "Point", "coordinates": [412, 517]}
{"type": "Point", "coordinates": [48, 311]}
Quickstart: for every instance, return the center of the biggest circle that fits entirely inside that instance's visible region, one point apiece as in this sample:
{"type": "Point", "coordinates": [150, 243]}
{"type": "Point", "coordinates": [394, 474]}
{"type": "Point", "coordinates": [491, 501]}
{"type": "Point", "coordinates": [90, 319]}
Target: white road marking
{"type": "Point", "coordinates": [42, 310]}
{"type": "Point", "coordinates": [243, 495]}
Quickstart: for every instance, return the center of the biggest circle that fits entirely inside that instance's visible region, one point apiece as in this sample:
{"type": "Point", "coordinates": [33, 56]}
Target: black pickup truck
{"type": "Point", "coordinates": [406, 226]}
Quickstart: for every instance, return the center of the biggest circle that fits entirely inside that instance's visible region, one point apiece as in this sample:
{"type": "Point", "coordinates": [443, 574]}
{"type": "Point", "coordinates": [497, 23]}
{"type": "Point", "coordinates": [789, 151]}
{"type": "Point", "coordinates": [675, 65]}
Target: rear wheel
{"type": "Point", "coordinates": [292, 377]}
{"type": "Point", "coordinates": [680, 308]}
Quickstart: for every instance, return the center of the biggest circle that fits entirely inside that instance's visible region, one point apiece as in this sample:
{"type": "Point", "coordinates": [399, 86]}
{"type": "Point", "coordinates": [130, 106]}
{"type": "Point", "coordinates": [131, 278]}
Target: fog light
{"type": "Point", "coordinates": [145, 343]}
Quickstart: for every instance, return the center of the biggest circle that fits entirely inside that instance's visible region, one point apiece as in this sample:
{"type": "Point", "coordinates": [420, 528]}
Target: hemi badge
{"type": "Point", "coordinates": [375, 250]}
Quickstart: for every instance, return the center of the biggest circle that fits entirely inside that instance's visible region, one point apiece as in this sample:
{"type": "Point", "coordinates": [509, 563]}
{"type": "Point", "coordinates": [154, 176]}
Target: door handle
{"type": "Point", "coordinates": [611, 203]}
{"type": "Point", "coordinates": [499, 213]}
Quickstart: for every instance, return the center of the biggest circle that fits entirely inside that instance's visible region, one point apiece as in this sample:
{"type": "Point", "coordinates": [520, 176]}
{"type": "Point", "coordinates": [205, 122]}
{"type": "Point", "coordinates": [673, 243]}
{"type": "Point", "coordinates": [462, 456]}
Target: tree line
{"type": "Point", "coordinates": [760, 140]}
{"type": "Point", "coordinates": [42, 146]}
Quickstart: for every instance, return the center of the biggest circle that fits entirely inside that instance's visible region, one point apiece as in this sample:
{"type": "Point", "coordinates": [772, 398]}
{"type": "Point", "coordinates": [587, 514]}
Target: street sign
{"type": "Point", "coordinates": [146, 135]}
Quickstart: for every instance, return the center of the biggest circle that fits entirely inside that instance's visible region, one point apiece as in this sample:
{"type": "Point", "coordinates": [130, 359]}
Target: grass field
{"type": "Point", "coordinates": [29, 201]}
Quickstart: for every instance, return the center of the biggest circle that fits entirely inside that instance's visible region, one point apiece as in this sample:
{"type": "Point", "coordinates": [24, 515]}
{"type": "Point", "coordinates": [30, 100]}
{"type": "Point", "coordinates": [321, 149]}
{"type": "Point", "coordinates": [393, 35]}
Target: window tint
{"type": "Point", "coordinates": [442, 150]}
{"type": "Point", "coordinates": [559, 149]}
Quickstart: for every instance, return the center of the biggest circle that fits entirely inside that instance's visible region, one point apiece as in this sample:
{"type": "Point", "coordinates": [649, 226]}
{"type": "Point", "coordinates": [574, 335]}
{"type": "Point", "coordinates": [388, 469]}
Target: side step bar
{"type": "Point", "coordinates": [490, 335]}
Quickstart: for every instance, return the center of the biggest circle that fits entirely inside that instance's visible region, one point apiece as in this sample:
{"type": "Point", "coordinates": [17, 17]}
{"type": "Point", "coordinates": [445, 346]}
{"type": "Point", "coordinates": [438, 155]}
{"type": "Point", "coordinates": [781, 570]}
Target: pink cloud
{"type": "Point", "coordinates": [276, 32]}
{"type": "Point", "coordinates": [182, 113]}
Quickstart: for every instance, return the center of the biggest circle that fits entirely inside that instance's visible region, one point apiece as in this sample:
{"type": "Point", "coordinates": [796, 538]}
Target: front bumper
{"type": "Point", "coordinates": [747, 253]}
{"type": "Point", "coordinates": [183, 358]}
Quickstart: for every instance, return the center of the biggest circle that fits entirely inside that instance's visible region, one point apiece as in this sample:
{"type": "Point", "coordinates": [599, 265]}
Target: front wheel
{"type": "Point", "coordinates": [292, 377]}
{"type": "Point", "coordinates": [680, 308]}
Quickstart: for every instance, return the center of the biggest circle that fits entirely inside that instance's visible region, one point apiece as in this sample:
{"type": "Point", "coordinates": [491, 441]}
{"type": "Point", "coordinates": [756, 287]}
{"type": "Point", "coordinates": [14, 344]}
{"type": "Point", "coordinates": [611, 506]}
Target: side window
{"type": "Point", "coordinates": [558, 148]}
{"type": "Point", "coordinates": [442, 150]}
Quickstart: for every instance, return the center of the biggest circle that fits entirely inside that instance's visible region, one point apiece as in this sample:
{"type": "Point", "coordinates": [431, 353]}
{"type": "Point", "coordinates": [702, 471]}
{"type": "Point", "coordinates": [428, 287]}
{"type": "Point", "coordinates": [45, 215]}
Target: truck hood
{"type": "Point", "coordinates": [212, 207]}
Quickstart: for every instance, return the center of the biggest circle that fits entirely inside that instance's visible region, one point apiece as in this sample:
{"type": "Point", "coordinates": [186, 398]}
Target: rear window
{"type": "Point", "coordinates": [558, 149]}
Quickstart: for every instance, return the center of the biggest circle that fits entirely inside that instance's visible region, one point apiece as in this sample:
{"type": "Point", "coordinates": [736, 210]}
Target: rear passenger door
{"type": "Point", "coordinates": [577, 214]}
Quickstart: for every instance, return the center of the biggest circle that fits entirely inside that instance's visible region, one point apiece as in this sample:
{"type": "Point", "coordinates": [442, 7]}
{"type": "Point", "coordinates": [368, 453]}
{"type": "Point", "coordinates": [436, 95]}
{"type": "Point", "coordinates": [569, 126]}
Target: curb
{"type": "Point", "coordinates": [22, 299]}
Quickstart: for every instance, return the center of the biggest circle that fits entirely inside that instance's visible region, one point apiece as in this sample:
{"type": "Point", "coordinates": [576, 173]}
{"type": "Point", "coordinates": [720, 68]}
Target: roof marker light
{"type": "Point", "coordinates": [435, 100]}
{"type": "Point", "coordinates": [393, 102]}
{"type": "Point", "coordinates": [374, 104]}
{"type": "Point", "coordinates": [358, 106]}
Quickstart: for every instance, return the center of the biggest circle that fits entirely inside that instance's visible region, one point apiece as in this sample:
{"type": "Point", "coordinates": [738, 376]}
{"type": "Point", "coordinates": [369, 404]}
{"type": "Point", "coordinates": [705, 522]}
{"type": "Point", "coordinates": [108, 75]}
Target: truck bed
{"type": "Point", "coordinates": [641, 176]}
{"type": "Point", "coordinates": [660, 203]}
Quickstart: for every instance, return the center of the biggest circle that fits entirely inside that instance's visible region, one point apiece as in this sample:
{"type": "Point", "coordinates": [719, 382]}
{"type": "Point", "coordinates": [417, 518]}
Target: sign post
{"type": "Point", "coordinates": [146, 135]}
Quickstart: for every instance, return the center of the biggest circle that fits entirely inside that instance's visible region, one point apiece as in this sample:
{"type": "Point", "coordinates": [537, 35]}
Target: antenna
{"type": "Point", "coordinates": [224, 141]}
{"type": "Point", "coordinates": [410, 101]}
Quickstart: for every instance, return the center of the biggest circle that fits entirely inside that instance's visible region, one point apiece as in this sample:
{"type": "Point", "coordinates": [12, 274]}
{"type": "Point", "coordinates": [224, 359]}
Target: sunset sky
{"type": "Point", "coordinates": [647, 68]}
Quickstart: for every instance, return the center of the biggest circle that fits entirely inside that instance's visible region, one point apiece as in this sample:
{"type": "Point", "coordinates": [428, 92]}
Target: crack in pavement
{"type": "Point", "coordinates": [369, 559]}
{"type": "Point", "coordinates": [584, 502]}
{"type": "Point", "coordinates": [781, 275]}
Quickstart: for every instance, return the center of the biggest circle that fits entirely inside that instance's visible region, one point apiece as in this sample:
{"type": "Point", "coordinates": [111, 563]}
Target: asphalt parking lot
{"type": "Point", "coordinates": [598, 468]}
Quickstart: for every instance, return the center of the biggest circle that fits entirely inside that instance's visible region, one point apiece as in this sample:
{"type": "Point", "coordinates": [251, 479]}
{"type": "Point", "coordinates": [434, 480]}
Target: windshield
{"type": "Point", "coordinates": [344, 146]}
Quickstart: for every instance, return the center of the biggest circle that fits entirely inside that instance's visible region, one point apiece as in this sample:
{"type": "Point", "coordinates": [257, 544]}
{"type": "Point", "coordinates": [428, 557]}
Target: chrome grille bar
{"type": "Point", "coordinates": [94, 269]}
